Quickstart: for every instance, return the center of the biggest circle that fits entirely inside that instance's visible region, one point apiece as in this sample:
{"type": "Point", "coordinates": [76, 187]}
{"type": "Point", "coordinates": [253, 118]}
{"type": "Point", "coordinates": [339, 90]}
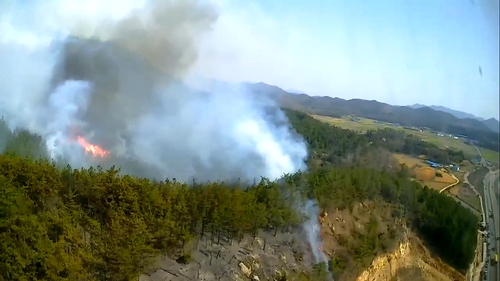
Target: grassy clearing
{"type": "Point", "coordinates": [476, 179]}
{"type": "Point", "coordinates": [364, 124]}
{"type": "Point", "coordinates": [466, 166]}
{"type": "Point", "coordinates": [490, 155]}
{"type": "Point", "coordinates": [433, 178]}
{"type": "Point", "coordinates": [465, 193]}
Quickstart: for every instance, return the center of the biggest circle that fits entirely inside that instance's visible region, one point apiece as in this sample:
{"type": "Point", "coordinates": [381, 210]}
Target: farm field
{"type": "Point", "coordinates": [364, 124]}
{"type": "Point", "coordinates": [465, 193]}
{"type": "Point", "coordinates": [345, 122]}
{"type": "Point", "coordinates": [476, 178]}
{"type": "Point", "coordinates": [433, 178]}
{"type": "Point", "coordinates": [489, 155]}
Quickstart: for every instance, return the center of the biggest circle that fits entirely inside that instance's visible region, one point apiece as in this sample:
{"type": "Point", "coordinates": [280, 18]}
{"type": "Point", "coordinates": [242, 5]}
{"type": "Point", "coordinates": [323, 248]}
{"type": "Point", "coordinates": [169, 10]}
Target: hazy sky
{"type": "Point", "coordinates": [396, 51]}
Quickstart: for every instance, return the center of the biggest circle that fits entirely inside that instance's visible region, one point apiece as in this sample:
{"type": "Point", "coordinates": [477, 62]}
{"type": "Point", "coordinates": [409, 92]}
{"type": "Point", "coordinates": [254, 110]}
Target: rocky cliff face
{"type": "Point", "coordinates": [410, 261]}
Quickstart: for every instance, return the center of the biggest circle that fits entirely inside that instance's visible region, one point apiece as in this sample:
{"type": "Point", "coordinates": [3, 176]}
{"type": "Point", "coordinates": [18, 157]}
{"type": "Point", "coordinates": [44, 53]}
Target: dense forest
{"type": "Point", "coordinates": [60, 223]}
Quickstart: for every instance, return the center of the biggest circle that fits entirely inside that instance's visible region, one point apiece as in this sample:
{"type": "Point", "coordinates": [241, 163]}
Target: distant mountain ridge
{"type": "Point", "coordinates": [456, 113]}
{"type": "Point", "coordinates": [492, 123]}
{"type": "Point", "coordinates": [292, 91]}
{"type": "Point", "coordinates": [403, 115]}
{"type": "Point", "coordinates": [337, 107]}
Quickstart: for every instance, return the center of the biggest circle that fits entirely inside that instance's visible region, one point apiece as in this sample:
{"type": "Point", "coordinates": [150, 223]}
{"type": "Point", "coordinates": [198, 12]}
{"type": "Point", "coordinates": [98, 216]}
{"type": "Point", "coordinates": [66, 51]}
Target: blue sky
{"type": "Point", "coordinates": [396, 51]}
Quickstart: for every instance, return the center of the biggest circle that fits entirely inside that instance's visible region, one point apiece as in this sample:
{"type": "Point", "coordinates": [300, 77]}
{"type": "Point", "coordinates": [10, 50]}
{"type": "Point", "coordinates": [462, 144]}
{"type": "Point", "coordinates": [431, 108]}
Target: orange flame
{"type": "Point", "coordinates": [93, 149]}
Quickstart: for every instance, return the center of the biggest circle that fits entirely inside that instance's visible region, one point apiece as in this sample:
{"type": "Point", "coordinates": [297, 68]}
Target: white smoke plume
{"type": "Point", "coordinates": [312, 229]}
{"type": "Point", "coordinates": [112, 72]}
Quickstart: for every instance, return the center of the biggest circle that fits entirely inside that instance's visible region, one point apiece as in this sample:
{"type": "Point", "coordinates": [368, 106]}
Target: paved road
{"type": "Point", "coordinates": [491, 207]}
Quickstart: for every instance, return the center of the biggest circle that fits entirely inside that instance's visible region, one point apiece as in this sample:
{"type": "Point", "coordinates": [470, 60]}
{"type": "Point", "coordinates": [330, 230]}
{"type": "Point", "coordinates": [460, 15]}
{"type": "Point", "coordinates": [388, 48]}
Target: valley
{"type": "Point", "coordinates": [443, 141]}
{"type": "Point", "coordinates": [420, 170]}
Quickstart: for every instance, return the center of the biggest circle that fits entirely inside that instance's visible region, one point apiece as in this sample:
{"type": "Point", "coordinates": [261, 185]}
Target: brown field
{"type": "Point", "coordinates": [435, 185]}
{"type": "Point", "coordinates": [425, 174]}
{"type": "Point", "coordinates": [410, 162]}
{"type": "Point", "coordinates": [445, 178]}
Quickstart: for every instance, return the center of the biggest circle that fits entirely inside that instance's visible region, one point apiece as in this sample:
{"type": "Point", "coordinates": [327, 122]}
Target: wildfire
{"type": "Point", "coordinates": [93, 149]}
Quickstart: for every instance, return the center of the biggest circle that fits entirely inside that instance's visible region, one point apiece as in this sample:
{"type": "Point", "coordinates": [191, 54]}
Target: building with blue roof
{"type": "Point", "coordinates": [433, 164]}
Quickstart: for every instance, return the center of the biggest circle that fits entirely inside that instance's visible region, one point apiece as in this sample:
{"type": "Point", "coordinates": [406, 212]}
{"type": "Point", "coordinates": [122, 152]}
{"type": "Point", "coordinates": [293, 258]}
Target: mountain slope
{"type": "Point", "coordinates": [404, 115]}
{"type": "Point", "coordinates": [491, 123]}
{"type": "Point", "coordinates": [456, 113]}
{"type": "Point", "coordinates": [425, 117]}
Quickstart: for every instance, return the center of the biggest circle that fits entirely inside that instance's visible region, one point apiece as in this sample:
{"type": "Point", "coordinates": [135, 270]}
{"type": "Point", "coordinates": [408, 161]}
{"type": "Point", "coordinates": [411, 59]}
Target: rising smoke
{"type": "Point", "coordinates": [112, 72]}
{"type": "Point", "coordinates": [312, 227]}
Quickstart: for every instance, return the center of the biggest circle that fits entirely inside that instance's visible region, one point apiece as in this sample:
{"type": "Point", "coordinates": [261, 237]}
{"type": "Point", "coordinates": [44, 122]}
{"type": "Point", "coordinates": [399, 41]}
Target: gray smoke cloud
{"type": "Point", "coordinates": [112, 73]}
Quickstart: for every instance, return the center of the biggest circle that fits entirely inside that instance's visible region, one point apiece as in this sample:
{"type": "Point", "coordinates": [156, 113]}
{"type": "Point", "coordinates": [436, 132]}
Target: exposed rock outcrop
{"type": "Point", "coordinates": [410, 261]}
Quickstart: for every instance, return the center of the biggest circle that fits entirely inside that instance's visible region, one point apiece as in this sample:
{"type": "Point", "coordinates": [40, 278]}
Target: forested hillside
{"type": "Point", "coordinates": [89, 224]}
{"type": "Point", "coordinates": [334, 143]}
